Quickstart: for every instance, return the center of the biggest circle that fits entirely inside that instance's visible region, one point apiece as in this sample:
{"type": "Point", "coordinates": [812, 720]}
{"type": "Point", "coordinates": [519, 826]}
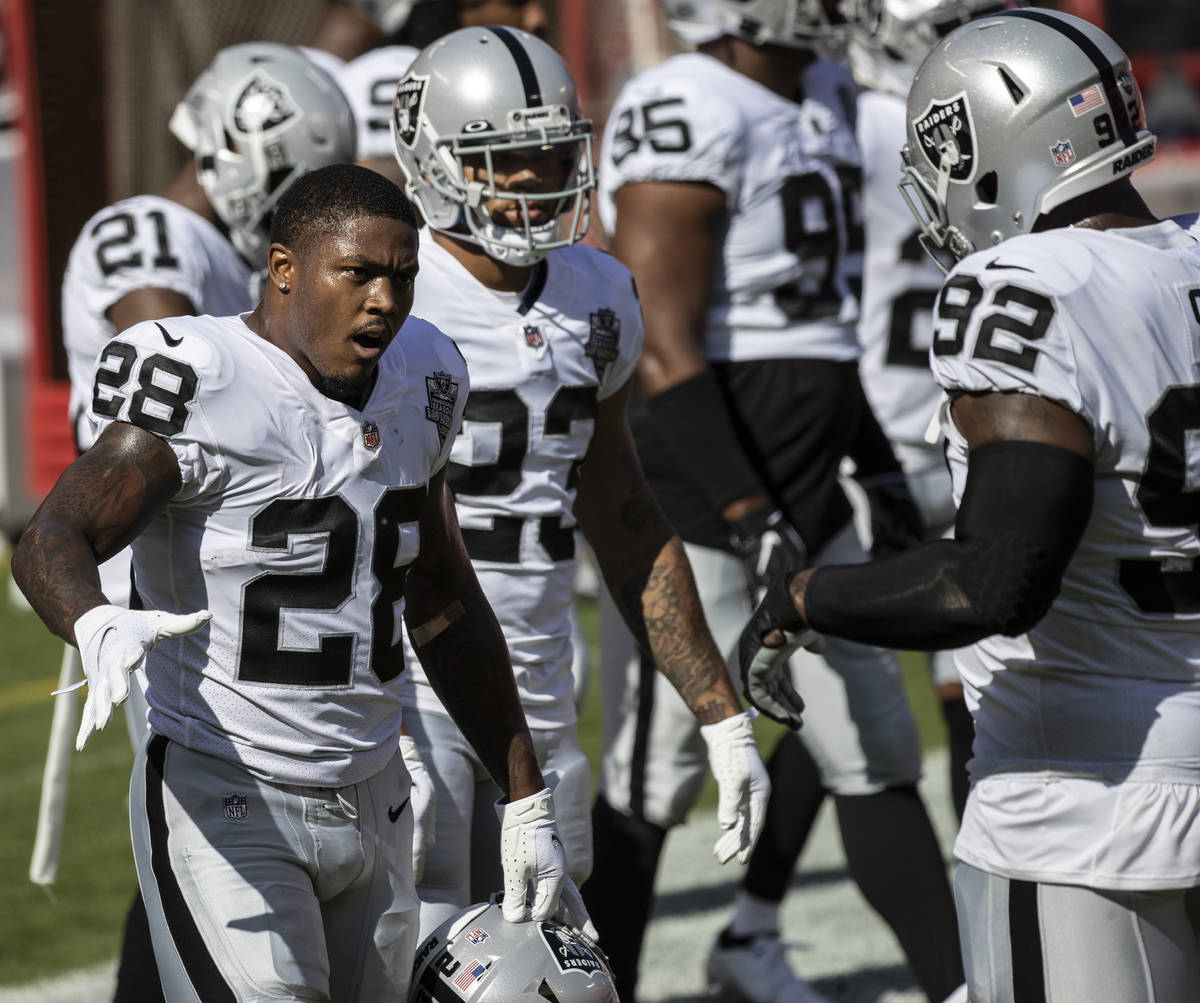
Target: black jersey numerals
{"type": "Point", "coordinates": [383, 92]}
{"type": "Point", "coordinates": [263, 656]}
{"type": "Point", "coordinates": [654, 123]}
{"type": "Point", "coordinates": [822, 223]}
{"type": "Point", "coordinates": [1014, 316]}
{"type": "Point", "coordinates": [509, 415]}
{"type": "Point", "coordinates": [115, 239]}
{"type": "Point", "coordinates": [165, 388]}
{"type": "Point", "coordinates": [1167, 500]}
{"type": "Point", "coordinates": [907, 307]}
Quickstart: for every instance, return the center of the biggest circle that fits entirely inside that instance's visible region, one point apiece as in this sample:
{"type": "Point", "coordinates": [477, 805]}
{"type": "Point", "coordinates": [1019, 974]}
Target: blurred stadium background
{"type": "Point", "coordinates": [86, 88]}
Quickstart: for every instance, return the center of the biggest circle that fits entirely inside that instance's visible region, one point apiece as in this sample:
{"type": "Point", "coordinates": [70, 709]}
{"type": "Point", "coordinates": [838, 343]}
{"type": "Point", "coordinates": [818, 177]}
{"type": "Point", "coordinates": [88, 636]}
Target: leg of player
{"type": "Point", "coordinates": [230, 920]}
{"type": "Point", "coordinates": [750, 949]}
{"type": "Point", "coordinates": [1027, 941]}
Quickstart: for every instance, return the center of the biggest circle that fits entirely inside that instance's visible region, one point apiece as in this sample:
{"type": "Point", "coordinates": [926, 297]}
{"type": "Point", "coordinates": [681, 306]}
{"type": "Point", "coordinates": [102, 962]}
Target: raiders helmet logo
{"type": "Point", "coordinates": [571, 952]}
{"type": "Point", "coordinates": [945, 130]}
{"type": "Point", "coordinates": [406, 108]}
{"type": "Point", "coordinates": [263, 105]}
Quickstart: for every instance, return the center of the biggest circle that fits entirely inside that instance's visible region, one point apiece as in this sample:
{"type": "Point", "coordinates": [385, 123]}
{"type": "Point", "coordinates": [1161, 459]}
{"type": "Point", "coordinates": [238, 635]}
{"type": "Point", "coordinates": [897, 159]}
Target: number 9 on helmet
{"type": "Point", "coordinates": [477, 955]}
{"type": "Point", "coordinates": [487, 129]}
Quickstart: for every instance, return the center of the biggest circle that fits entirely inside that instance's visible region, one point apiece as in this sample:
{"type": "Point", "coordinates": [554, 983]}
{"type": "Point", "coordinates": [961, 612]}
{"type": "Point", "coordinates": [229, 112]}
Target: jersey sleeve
{"type": "Point", "coordinates": [443, 370]}
{"type": "Point", "coordinates": [667, 127]}
{"type": "Point", "coordinates": [1004, 322]}
{"type": "Point", "coordinates": [140, 243]}
{"type": "Point", "coordinates": [627, 310]}
{"type": "Point", "coordinates": [145, 380]}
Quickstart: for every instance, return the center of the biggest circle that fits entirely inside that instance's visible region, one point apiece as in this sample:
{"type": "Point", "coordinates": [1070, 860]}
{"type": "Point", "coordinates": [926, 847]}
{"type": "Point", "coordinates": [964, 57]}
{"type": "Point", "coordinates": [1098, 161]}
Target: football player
{"type": "Point", "coordinates": [369, 81]}
{"type": "Point", "coordinates": [488, 132]}
{"type": "Point", "coordinates": [257, 118]}
{"type": "Point", "coordinates": [281, 474]}
{"type": "Point", "coordinates": [730, 185]}
{"type": "Point", "coordinates": [899, 288]}
{"type": "Point", "coordinates": [1065, 340]}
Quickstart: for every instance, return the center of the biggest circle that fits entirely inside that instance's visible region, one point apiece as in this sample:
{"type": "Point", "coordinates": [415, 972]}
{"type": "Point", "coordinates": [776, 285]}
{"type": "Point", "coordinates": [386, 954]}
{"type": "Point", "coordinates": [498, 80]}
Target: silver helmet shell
{"type": "Point", "coordinates": [482, 92]}
{"type": "Point", "coordinates": [258, 118]}
{"type": "Point", "coordinates": [889, 38]}
{"type": "Point", "coordinates": [479, 956]}
{"type": "Point", "coordinates": [799, 24]}
{"type": "Point", "coordinates": [1009, 117]}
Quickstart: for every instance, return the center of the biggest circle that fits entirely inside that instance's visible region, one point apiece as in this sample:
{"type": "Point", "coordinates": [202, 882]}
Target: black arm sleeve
{"type": "Point", "coordinates": [1023, 512]}
{"type": "Point", "coordinates": [694, 418]}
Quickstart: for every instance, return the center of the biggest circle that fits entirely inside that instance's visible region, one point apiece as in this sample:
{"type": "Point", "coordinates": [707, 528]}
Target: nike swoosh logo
{"type": "Point", "coordinates": [996, 263]}
{"type": "Point", "coordinates": [394, 813]}
{"type": "Point", "coordinates": [173, 342]}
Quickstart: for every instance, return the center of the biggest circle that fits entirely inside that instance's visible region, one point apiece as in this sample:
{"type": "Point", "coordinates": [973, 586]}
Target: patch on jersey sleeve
{"type": "Point", "coordinates": [603, 338]}
{"type": "Point", "coordinates": [442, 392]}
{"type": "Point", "coordinates": [945, 128]}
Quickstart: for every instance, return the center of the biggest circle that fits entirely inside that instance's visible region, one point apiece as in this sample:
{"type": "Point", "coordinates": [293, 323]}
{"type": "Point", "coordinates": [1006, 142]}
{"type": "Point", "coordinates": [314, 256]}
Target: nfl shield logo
{"type": "Point", "coordinates": [477, 936]}
{"type": "Point", "coordinates": [235, 807]}
{"type": "Point", "coordinates": [945, 131]}
{"type": "Point", "coordinates": [370, 432]}
{"type": "Point", "coordinates": [533, 337]}
{"type": "Point", "coordinates": [1063, 152]}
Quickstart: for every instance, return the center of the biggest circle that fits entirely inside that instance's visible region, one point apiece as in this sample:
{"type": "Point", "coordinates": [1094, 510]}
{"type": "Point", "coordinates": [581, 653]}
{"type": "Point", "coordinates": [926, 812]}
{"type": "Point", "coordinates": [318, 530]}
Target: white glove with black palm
{"type": "Point", "coordinates": [113, 642]}
{"type": "Point", "coordinates": [742, 784]}
{"type": "Point", "coordinates": [530, 851]}
{"type": "Point", "coordinates": [422, 802]}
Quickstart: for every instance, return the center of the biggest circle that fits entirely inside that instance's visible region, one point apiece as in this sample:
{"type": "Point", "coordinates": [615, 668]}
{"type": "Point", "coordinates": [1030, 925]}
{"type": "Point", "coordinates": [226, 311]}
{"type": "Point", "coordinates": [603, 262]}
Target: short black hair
{"type": "Point", "coordinates": [324, 200]}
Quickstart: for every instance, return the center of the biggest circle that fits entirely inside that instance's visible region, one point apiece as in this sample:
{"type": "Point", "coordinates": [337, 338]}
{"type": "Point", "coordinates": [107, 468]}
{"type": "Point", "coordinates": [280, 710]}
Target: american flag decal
{"type": "Point", "coordinates": [1086, 100]}
{"type": "Point", "coordinates": [469, 975]}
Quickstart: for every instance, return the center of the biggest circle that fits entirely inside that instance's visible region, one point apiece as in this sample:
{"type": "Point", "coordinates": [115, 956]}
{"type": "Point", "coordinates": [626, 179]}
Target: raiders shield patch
{"type": "Point", "coordinates": [945, 129]}
{"type": "Point", "coordinates": [406, 108]}
{"type": "Point", "coordinates": [570, 951]}
{"type": "Point", "coordinates": [602, 341]}
{"type": "Point", "coordinates": [263, 105]}
{"type": "Point", "coordinates": [442, 392]}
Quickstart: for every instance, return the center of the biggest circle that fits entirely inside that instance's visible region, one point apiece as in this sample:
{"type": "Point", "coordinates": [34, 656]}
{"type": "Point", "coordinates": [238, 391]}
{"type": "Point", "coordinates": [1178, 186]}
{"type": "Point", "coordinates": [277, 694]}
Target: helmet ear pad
{"type": "Point", "coordinates": [1012, 115]}
{"type": "Point", "coordinates": [256, 119]}
{"type": "Point", "coordinates": [479, 97]}
{"type": "Point", "coordinates": [479, 955]}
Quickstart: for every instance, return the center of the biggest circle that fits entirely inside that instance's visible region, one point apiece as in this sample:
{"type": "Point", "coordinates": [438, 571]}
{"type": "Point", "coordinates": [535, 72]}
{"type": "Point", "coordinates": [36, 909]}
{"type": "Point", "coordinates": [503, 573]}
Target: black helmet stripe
{"type": "Point", "coordinates": [1108, 78]}
{"type": "Point", "coordinates": [529, 80]}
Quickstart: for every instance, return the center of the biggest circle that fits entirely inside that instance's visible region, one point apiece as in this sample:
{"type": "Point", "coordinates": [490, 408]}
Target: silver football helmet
{"type": "Point", "coordinates": [487, 101]}
{"type": "Point", "coordinates": [889, 38]}
{"type": "Point", "coordinates": [798, 24]}
{"type": "Point", "coordinates": [1009, 117]}
{"type": "Point", "coordinates": [260, 116]}
{"type": "Point", "coordinates": [478, 955]}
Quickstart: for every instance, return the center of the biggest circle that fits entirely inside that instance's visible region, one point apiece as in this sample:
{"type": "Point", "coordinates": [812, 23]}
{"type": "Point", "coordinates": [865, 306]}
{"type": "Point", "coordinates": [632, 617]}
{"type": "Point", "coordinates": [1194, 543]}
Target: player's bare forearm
{"type": "Point", "coordinates": [462, 649]}
{"type": "Point", "coordinates": [647, 572]}
{"type": "Point", "coordinates": [97, 507]}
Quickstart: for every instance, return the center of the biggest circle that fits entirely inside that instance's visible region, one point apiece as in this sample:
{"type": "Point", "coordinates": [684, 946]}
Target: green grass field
{"type": "Point", "coordinates": [78, 922]}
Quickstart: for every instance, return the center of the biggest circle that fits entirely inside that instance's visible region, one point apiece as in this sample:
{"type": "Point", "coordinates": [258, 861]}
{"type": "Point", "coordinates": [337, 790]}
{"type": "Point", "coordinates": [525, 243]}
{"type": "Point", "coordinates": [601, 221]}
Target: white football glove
{"type": "Point", "coordinates": [422, 802]}
{"type": "Point", "coordinates": [112, 643]}
{"type": "Point", "coordinates": [742, 784]}
{"type": "Point", "coordinates": [530, 850]}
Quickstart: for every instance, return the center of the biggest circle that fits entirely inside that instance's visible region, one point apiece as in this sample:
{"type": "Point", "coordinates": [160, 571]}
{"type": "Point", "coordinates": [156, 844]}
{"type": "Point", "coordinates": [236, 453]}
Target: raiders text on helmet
{"type": "Point", "coordinates": [258, 118]}
{"type": "Point", "coordinates": [1009, 117]}
{"type": "Point", "coordinates": [482, 94]}
{"type": "Point", "coordinates": [800, 24]}
{"type": "Point", "coordinates": [478, 955]}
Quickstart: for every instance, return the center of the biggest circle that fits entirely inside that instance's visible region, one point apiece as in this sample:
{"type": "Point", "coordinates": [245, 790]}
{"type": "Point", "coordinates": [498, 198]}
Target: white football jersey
{"type": "Point", "coordinates": [369, 83]}
{"type": "Point", "coordinates": [540, 362]}
{"type": "Point", "coordinates": [900, 284]}
{"type": "Point", "coordinates": [1096, 710]}
{"type": "Point", "coordinates": [791, 260]}
{"type": "Point", "coordinates": [144, 242]}
{"type": "Point", "coordinates": [295, 523]}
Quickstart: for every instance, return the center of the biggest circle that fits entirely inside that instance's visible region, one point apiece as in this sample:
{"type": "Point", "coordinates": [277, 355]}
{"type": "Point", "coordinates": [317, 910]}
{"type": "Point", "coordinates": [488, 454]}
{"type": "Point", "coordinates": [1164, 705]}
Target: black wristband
{"type": "Point", "coordinates": [695, 420]}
